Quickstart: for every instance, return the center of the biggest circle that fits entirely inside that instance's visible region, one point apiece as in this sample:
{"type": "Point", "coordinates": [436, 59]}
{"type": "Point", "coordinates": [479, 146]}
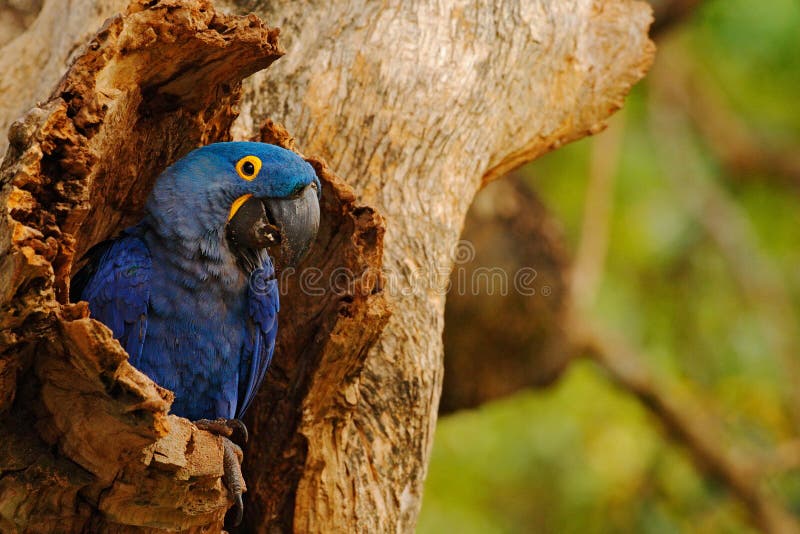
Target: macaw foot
{"type": "Point", "coordinates": [232, 429]}
{"type": "Point", "coordinates": [233, 433]}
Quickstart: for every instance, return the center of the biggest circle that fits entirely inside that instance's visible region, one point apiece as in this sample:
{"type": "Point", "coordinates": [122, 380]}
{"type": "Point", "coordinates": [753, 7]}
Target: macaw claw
{"type": "Point", "coordinates": [233, 429]}
{"type": "Point", "coordinates": [233, 432]}
{"type": "Point", "coordinates": [234, 481]}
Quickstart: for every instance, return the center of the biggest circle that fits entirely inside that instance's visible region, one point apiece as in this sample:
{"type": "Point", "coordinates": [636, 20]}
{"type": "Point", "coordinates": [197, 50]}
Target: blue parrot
{"type": "Point", "coordinates": [190, 291]}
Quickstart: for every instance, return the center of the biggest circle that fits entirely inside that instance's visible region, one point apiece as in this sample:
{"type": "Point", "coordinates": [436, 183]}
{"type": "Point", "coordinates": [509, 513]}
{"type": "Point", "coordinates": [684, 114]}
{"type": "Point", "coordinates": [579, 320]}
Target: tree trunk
{"type": "Point", "coordinates": [414, 104]}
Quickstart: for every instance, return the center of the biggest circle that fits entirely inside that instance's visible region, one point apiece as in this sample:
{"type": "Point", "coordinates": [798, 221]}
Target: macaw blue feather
{"type": "Point", "coordinates": [120, 290]}
{"type": "Point", "coordinates": [263, 307]}
{"type": "Point", "coordinates": [175, 294]}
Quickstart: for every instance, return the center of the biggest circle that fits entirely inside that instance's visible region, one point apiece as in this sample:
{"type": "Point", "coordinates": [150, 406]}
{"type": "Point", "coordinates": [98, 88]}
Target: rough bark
{"type": "Point", "coordinates": [16, 16]}
{"type": "Point", "coordinates": [149, 87]}
{"type": "Point", "coordinates": [101, 451]}
{"type": "Point", "coordinates": [416, 104]}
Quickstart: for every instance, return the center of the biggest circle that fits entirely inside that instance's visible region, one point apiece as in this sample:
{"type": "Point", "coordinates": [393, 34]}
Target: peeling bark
{"type": "Point", "coordinates": [336, 311]}
{"type": "Point", "coordinates": [78, 169]}
{"type": "Point", "coordinates": [416, 104]}
{"type": "Point", "coordinates": [150, 86]}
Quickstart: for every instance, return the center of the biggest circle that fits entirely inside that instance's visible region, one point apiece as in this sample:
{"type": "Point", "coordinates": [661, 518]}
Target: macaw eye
{"type": "Point", "coordinates": [248, 167]}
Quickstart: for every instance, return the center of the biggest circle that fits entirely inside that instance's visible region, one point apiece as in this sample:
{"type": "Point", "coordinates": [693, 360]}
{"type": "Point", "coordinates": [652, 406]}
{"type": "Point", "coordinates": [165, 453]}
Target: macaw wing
{"type": "Point", "coordinates": [116, 283]}
{"type": "Point", "coordinates": [262, 307]}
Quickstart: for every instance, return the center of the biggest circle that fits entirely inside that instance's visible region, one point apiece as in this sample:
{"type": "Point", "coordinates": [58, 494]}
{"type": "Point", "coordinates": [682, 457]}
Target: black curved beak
{"type": "Point", "coordinates": [291, 223]}
{"type": "Point", "coordinates": [298, 221]}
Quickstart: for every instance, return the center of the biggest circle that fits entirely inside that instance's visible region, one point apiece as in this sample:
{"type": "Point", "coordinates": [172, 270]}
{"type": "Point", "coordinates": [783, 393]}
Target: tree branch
{"type": "Point", "coordinates": [698, 432]}
{"type": "Point", "coordinates": [342, 432]}
{"type": "Point", "coordinates": [670, 13]}
{"type": "Point", "coordinates": [445, 99]}
{"type": "Point", "coordinates": [587, 269]}
{"type": "Point", "coordinates": [88, 432]}
{"type": "Point", "coordinates": [693, 429]}
{"type": "Point", "coordinates": [506, 299]}
{"type": "Point", "coordinates": [759, 280]}
{"type": "Point", "coordinates": [740, 149]}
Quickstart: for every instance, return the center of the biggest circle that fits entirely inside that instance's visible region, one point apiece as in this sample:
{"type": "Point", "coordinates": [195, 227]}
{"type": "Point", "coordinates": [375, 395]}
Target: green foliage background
{"type": "Point", "coordinates": [584, 456]}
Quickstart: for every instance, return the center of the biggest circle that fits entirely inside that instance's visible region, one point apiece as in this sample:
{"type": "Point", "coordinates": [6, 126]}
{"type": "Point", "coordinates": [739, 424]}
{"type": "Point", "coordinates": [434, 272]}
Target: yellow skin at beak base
{"type": "Point", "coordinates": [238, 204]}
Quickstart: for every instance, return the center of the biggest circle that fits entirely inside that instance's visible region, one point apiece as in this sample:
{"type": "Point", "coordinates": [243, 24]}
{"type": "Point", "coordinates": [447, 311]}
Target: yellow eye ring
{"type": "Point", "coordinates": [248, 167]}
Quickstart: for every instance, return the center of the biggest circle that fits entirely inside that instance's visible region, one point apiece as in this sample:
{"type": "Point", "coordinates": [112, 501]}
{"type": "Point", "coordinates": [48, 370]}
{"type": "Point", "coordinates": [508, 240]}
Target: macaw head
{"type": "Point", "coordinates": [256, 195]}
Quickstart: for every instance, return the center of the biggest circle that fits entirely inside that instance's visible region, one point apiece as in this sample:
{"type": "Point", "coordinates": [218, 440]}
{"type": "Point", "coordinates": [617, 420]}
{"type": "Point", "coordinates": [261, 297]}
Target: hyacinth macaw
{"type": "Point", "coordinates": [190, 291]}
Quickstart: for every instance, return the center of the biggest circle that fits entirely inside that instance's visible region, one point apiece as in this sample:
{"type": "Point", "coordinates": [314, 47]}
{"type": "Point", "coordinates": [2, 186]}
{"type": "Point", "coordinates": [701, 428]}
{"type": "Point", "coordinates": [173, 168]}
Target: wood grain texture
{"type": "Point", "coordinates": [415, 104]}
{"type": "Point", "coordinates": [87, 440]}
